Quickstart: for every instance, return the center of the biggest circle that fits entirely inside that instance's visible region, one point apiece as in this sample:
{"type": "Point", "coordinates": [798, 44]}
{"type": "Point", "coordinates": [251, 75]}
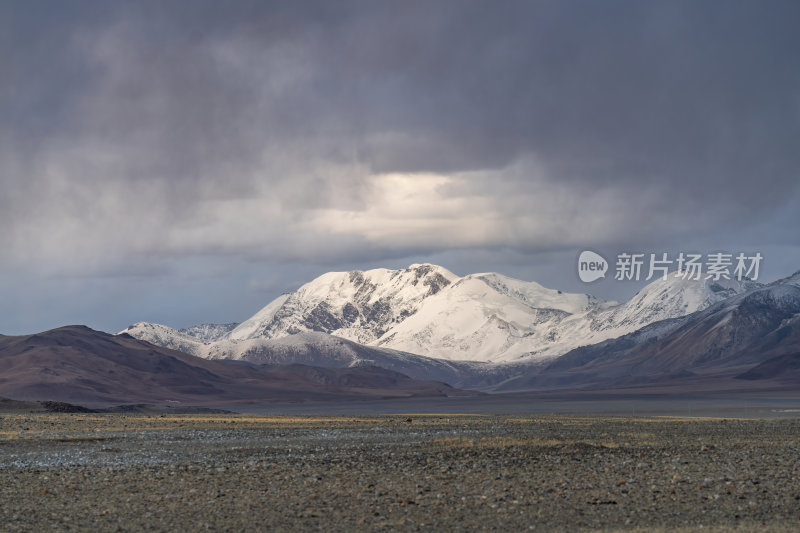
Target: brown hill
{"type": "Point", "coordinates": [79, 365]}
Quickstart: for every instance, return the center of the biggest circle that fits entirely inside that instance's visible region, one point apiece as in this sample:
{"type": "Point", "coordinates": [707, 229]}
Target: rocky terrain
{"type": "Point", "coordinates": [442, 472]}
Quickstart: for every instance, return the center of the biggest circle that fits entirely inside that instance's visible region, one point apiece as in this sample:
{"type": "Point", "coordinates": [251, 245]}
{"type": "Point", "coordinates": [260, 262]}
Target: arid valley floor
{"type": "Point", "coordinates": [114, 472]}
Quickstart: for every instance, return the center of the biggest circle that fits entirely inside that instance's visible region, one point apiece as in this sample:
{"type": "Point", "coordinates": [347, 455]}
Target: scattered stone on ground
{"type": "Point", "coordinates": [107, 472]}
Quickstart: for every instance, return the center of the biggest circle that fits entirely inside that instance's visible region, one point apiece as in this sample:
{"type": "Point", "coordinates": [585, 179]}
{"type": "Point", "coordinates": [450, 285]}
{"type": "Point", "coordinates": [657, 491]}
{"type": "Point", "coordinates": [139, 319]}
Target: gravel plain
{"type": "Point", "coordinates": [104, 472]}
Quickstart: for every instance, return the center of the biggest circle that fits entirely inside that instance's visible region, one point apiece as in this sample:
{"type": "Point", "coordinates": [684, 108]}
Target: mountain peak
{"type": "Point", "coordinates": [794, 279]}
{"type": "Point", "coordinates": [357, 305]}
{"type": "Point", "coordinates": [429, 268]}
{"type": "Point", "coordinates": [675, 295]}
{"type": "Point", "coordinates": [163, 336]}
{"type": "Point", "coordinates": [699, 288]}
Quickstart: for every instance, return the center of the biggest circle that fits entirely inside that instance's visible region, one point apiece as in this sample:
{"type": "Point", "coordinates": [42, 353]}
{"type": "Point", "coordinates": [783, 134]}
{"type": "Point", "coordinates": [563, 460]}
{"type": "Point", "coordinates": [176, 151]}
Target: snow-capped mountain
{"type": "Point", "coordinates": [423, 309]}
{"type": "Point", "coordinates": [360, 306]}
{"type": "Point", "coordinates": [427, 310]}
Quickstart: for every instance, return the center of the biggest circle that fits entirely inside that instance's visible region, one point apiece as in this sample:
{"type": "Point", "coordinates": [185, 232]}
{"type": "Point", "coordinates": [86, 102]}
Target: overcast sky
{"type": "Point", "coordinates": [185, 162]}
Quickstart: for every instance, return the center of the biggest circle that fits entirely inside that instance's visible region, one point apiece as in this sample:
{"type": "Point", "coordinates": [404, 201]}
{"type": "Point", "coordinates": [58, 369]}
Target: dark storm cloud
{"type": "Point", "coordinates": [263, 128]}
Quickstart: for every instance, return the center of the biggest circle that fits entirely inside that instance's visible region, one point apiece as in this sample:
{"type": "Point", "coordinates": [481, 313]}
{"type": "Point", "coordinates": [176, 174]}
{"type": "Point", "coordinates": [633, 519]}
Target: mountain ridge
{"type": "Point", "coordinates": [78, 364]}
{"type": "Point", "coordinates": [747, 336]}
{"type": "Point", "coordinates": [486, 317]}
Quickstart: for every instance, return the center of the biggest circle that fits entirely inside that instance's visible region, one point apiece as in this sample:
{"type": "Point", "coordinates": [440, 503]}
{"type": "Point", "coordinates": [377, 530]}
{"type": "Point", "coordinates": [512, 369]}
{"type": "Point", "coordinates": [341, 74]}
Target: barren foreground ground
{"type": "Point", "coordinates": [246, 473]}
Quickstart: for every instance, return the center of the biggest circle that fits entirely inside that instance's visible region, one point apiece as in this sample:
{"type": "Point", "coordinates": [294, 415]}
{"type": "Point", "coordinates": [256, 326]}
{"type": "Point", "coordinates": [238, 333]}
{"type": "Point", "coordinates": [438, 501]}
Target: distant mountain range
{"type": "Point", "coordinates": [496, 333]}
{"type": "Point", "coordinates": [427, 310]}
{"type": "Point", "coordinates": [751, 336]}
{"type": "Point", "coordinates": [384, 333]}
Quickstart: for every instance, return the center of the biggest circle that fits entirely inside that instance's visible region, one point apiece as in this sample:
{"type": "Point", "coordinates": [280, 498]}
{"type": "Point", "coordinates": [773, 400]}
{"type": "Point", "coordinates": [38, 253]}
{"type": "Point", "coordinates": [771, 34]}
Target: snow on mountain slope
{"type": "Point", "coordinates": [164, 336]}
{"type": "Point", "coordinates": [248, 328]}
{"type": "Point", "coordinates": [673, 297]}
{"type": "Point", "coordinates": [209, 332]}
{"type": "Point", "coordinates": [536, 296]}
{"type": "Point", "coordinates": [794, 279]}
{"type": "Point", "coordinates": [478, 319]}
{"type": "Point", "coordinates": [356, 305]}
{"type": "Point", "coordinates": [319, 349]}
{"type": "Point", "coordinates": [662, 299]}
